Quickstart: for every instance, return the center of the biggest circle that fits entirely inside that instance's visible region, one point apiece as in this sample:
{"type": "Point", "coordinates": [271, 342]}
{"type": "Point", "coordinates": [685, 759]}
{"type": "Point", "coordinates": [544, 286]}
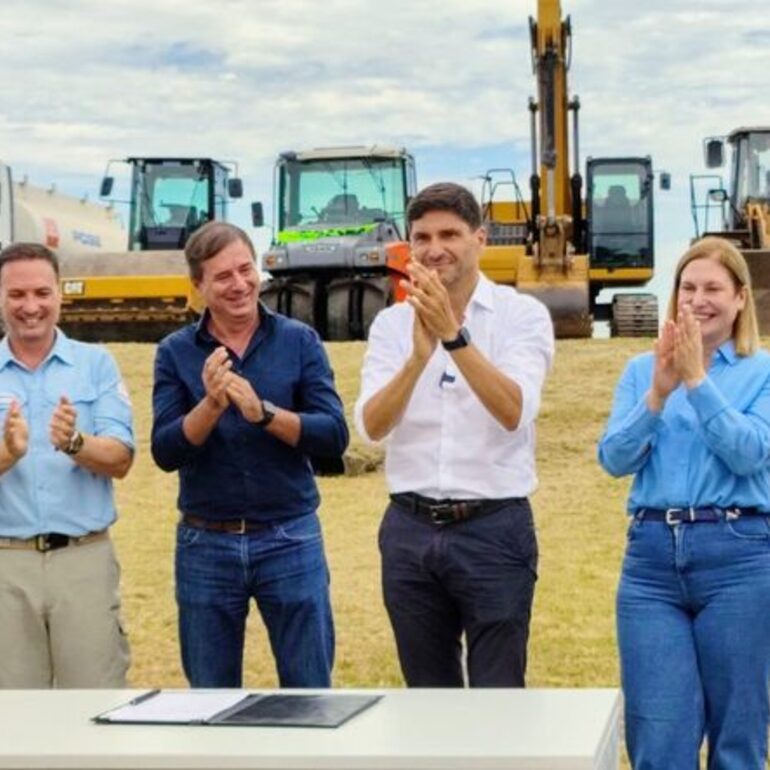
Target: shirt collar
{"type": "Point", "coordinates": [62, 349]}
{"type": "Point", "coordinates": [483, 293]}
{"type": "Point", "coordinates": [727, 351]}
{"type": "Point", "coordinates": [266, 320]}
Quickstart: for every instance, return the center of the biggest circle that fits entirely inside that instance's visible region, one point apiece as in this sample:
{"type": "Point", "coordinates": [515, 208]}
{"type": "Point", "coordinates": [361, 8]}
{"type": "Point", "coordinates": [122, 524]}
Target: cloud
{"type": "Point", "coordinates": [85, 81]}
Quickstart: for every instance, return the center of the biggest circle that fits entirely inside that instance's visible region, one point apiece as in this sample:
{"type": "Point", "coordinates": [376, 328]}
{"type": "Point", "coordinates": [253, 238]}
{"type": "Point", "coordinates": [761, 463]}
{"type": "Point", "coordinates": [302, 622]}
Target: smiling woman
{"type": "Point", "coordinates": [692, 423]}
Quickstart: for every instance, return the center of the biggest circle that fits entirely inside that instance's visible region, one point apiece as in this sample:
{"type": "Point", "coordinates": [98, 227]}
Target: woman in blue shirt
{"type": "Point", "coordinates": [691, 421]}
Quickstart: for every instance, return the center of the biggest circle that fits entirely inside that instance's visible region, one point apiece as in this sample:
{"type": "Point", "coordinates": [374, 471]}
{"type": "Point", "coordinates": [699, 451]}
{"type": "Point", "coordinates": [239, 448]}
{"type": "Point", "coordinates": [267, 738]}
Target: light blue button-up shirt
{"type": "Point", "coordinates": [709, 446]}
{"type": "Point", "coordinates": [46, 491]}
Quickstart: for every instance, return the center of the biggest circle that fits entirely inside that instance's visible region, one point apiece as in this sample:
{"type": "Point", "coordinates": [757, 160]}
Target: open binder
{"type": "Point", "coordinates": [212, 707]}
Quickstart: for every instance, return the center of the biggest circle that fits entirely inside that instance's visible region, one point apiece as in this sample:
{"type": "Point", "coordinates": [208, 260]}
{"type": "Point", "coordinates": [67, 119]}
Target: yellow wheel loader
{"type": "Point", "coordinates": [740, 212]}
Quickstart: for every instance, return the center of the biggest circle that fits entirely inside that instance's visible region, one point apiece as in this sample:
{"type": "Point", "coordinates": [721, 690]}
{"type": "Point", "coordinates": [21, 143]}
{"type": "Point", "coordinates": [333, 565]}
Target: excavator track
{"type": "Point", "coordinates": [634, 315]}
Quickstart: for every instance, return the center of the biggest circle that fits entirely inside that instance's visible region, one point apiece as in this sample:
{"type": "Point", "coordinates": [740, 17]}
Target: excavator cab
{"type": "Point", "coordinates": [173, 197]}
{"type": "Point", "coordinates": [619, 214]}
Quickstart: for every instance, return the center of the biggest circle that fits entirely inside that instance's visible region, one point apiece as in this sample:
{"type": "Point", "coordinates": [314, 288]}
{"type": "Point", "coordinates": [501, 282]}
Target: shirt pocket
{"type": "Point", "coordinates": [82, 395]}
{"type": "Point", "coordinates": [7, 397]}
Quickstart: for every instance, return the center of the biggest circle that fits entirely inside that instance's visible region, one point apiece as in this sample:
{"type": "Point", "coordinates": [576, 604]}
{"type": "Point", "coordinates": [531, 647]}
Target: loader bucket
{"type": "Point", "coordinates": [567, 302]}
{"type": "Point", "coordinates": [758, 261]}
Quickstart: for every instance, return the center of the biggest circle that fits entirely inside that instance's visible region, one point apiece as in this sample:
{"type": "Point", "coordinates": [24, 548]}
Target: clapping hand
{"type": "Point", "coordinates": [688, 348]}
{"type": "Point", "coordinates": [216, 377]}
{"type": "Point", "coordinates": [63, 424]}
{"type": "Point", "coordinates": [16, 432]}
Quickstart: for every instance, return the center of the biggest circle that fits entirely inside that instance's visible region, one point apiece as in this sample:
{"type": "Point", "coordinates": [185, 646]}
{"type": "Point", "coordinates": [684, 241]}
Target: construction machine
{"type": "Point", "coordinates": [140, 291]}
{"type": "Point", "coordinates": [559, 246]}
{"type": "Point", "coordinates": [741, 212]}
{"type": "Point", "coordinates": [338, 236]}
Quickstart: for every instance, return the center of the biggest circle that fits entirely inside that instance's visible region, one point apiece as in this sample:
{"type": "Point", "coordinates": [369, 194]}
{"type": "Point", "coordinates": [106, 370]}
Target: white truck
{"type": "Point", "coordinates": [65, 224]}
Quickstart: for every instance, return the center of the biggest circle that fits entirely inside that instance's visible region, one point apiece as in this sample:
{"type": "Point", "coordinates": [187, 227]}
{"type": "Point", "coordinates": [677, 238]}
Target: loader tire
{"type": "Point", "coordinates": [295, 299]}
{"type": "Point", "coordinates": [352, 304]}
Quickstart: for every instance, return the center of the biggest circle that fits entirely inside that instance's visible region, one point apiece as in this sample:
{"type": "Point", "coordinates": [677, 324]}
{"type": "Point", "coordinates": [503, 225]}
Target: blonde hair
{"type": "Point", "coordinates": [745, 330]}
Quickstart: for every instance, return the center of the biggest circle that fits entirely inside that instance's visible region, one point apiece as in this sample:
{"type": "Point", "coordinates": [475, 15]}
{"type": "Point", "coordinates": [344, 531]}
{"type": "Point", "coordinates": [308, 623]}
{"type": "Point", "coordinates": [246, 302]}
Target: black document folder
{"type": "Point", "coordinates": [209, 707]}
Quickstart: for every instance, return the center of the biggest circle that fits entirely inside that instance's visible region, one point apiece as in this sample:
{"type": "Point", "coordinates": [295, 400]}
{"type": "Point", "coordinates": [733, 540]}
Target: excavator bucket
{"type": "Point", "coordinates": [758, 261]}
{"type": "Point", "coordinates": [567, 302]}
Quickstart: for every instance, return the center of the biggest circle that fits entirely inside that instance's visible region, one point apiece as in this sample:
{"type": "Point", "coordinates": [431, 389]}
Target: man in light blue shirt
{"type": "Point", "coordinates": [67, 432]}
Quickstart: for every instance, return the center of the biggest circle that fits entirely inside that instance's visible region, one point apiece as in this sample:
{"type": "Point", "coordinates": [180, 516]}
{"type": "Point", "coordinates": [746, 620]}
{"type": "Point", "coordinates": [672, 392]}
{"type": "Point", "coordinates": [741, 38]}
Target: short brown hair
{"type": "Point", "coordinates": [208, 241]}
{"type": "Point", "coordinates": [17, 252]}
{"type": "Point", "coordinates": [745, 329]}
{"type": "Point", "coordinates": [445, 196]}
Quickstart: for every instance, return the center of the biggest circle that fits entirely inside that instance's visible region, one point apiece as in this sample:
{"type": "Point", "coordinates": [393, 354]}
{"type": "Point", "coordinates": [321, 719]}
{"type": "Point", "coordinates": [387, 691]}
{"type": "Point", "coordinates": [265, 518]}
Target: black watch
{"type": "Point", "coordinates": [462, 340]}
{"type": "Point", "coordinates": [268, 413]}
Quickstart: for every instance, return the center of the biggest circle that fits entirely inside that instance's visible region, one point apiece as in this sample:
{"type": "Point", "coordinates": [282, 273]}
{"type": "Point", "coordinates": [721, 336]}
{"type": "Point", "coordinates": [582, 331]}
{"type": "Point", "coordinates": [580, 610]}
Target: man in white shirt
{"type": "Point", "coordinates": [452, 380]}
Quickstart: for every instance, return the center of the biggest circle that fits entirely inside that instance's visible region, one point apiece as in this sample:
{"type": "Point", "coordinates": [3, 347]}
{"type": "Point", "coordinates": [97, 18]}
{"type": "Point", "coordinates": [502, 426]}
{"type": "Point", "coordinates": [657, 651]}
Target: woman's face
{"type": "Point", "coordinates": [708, 288]}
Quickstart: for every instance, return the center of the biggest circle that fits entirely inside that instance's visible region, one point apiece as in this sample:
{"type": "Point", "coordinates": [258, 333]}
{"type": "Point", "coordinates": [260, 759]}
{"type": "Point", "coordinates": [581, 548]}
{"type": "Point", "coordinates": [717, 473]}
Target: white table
{"type": "Point", "coordinates": [406, 730]}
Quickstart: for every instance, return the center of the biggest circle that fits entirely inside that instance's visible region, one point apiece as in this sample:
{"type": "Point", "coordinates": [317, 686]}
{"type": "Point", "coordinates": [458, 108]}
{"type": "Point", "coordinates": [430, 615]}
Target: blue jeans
{"type": "Point", "coordinates": [693, 614]}
{"type": "Point", "coordinates": [284, 569]}
{"type": "Point", "coordinates": [476, 577]}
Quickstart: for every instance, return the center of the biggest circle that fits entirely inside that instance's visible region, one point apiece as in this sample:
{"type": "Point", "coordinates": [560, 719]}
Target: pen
{"type": "Point", "coordinates": [143, 697]}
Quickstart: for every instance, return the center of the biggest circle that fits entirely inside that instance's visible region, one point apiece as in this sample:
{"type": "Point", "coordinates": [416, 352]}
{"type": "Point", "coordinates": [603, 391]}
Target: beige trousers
{"type": "Point", "coordinates": [60, 622]}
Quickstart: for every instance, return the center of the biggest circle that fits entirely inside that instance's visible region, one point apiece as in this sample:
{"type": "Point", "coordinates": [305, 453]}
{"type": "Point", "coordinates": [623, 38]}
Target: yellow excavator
{"type": "Point", "coordinates": [741, 213]}
{"type": "Point", "coordinates": [142, 293]}
{"type": "Point", "coordinates": [558, 246]}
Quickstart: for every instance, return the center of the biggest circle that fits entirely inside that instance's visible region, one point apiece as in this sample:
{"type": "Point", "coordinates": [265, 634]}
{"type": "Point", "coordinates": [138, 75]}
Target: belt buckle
{"type": "Point", "coordinates": [43, 543]}
{"type": "Point", "coordinates": [242, 529]}
{"type": "Point", "coordinates": [670, 520]}
{"type": "Point", "coordinates": [442, 514]}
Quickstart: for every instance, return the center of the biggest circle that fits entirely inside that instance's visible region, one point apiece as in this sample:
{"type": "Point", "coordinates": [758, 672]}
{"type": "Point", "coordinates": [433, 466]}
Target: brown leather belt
{"type": "Point", "coordinates": [50, 541]}
{"type": "Point", "coordinates": [231, 526]}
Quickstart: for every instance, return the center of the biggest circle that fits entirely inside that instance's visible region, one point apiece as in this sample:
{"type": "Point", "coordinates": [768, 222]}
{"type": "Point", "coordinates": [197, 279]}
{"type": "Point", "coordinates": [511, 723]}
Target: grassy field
{"type": "Point", "coordinates": [578, 510]}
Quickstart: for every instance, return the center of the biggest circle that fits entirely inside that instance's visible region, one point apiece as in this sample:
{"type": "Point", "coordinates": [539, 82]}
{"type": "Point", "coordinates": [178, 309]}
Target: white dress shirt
{"type": "Point", "coordinates": [447, 445]}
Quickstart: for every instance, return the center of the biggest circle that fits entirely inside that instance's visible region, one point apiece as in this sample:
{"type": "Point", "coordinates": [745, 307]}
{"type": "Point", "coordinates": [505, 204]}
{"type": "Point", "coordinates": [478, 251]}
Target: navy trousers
{"type": "Point", "coordinates": [475, 576]}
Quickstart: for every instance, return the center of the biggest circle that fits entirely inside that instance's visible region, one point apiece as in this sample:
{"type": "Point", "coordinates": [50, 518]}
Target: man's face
{"type": "Point", "coordinates": [442, 241]}
{"type": "Point", "coordinates": [30, 301]}
{"type": "Point", "coordinates": [229, 284]}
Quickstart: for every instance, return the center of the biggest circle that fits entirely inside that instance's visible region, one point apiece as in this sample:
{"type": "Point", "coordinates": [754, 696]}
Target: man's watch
{"type": "Point", "coordinates": [462, 340]}
{"type": "Point", "coordinates": [268, 413]}
{"type": "Point", "coordinates": [75, 445]}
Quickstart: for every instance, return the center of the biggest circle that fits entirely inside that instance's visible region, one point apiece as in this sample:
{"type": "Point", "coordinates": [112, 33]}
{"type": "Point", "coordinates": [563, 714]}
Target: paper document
{"type": "Point", "coordinates": [184, 707]}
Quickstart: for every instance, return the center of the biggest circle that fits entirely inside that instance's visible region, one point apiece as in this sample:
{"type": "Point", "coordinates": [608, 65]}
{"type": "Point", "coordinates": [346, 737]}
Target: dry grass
{"type": "Point", "coordinates": [578, 510]}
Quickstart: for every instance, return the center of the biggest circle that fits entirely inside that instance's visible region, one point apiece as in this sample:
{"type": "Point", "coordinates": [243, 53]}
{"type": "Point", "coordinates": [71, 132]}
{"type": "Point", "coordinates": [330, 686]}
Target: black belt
{"type": "Point", "coordinates": [692, 515]}
{"type": "Point", "coordinates": [50, 541]}
{"type": "Point", "coordinates": [231, 526]}
{"type": "Point", "coordinates": [449, 511]}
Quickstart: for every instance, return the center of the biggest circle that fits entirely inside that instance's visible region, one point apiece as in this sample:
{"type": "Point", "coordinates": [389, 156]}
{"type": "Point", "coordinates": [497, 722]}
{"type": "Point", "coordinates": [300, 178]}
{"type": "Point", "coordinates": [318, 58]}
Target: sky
{"type": "Point", "coordinates": [86, 81]}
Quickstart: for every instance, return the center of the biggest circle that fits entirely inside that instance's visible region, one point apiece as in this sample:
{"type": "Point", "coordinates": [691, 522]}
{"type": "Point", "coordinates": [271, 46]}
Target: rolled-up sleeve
{"type": "Point", "coordinates": [527, 354]}
{"type": "Point", "coordinates": [113, 416]}
{"type": "Point", "coordinates": [324, 431]}
{"type": "Point", "coordinates": [383, 359]}
{"type": "Point", "coordinates": [170, 403]}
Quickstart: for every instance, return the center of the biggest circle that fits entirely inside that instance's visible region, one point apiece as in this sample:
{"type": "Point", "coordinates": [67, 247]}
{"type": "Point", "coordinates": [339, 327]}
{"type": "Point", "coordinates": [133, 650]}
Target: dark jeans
{"type": "Point", "coordinates": [284, 569]}
{"type": "Point", "coordinates": [475, 576]}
